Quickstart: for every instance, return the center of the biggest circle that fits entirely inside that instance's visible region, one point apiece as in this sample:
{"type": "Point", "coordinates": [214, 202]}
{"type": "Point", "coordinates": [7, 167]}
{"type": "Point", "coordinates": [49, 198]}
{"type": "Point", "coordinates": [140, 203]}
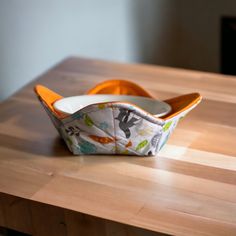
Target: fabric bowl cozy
{"type": "Point", "coordinates": [116, 127]}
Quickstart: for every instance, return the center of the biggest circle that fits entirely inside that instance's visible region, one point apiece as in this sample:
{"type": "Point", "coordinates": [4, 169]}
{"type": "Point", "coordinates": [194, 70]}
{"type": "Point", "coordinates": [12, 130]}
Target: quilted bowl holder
{"type": "Point", "coordinates": [116, 127]}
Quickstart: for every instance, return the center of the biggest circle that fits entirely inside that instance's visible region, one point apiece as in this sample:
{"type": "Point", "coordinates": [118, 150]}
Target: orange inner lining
{"type": "Point", "coordinates": [122, 87]}
{"type": "Point", "coordinates": [48, 96]}
{"type": "Point", "coordinates": [119, 87]}
{"type": "Point", "coordinates": [181, 103]}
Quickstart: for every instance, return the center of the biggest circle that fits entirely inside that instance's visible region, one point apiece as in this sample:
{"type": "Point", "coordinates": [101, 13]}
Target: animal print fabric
{"type": "Point", "coordinates": [114, 128]}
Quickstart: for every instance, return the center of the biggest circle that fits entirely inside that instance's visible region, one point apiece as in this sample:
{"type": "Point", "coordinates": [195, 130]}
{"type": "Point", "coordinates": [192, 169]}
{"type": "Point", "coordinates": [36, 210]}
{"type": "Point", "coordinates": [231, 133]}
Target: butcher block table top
{"type": "Point", "coordinates": [189, 188]}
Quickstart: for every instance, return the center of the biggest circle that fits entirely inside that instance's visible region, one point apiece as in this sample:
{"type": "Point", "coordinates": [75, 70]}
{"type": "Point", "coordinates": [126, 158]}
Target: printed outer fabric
{"type": "Point", "coordinates": [117, 128]}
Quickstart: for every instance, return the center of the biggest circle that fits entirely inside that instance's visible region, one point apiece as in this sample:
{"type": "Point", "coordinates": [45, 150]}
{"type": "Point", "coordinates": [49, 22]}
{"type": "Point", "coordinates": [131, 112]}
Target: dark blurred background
{"type": "Point", "coordinates": [179, 33]}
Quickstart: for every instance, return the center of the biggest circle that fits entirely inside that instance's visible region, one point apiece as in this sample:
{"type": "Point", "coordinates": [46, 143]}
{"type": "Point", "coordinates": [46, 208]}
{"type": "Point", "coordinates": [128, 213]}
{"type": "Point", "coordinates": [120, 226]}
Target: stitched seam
{"type": "Point", "coordinates": [120, 144]}
{"type": "Point", "coordinates": [70, 118]}
{"type": "Point", "coordinates": [97, 127]}
{"type": "Point", "coordinates": [114, 129]}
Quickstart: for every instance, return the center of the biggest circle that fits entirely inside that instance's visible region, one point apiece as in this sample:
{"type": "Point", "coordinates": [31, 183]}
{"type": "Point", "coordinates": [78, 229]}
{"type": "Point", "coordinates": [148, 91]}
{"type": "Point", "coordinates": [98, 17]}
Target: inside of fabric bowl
{"type": "Point", "coordinates": [122, 87]}
{"type": "Point", "coordinates": [119, 87]}
{"type": "Point", "coordinates": [71, 105]}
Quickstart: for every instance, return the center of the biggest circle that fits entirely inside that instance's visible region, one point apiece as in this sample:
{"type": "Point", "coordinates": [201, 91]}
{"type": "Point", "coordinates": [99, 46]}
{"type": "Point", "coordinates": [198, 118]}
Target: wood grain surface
{"type": "Point", "coordinates": [189, 188]}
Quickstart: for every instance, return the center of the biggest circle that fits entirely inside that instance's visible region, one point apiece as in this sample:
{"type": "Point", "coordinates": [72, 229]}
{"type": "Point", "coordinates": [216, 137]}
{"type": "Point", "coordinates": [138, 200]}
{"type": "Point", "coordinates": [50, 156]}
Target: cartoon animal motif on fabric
{"type": "Point", "coordinates": [124, 122]}
{"type": "Point", "coordinates": [116, 127]}
{"type": "Point", "coordinates": [73, 131]}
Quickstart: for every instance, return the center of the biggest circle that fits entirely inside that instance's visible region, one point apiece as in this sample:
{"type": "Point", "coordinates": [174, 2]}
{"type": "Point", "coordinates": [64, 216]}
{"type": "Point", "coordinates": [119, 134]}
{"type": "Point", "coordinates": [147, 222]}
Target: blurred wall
{"type": "Point", "coordinates": [199, 33]}
{"type": "Point", "coordinates": [34, 35]}
{"type": "Point", "coordinates": [180, 33]}
{"type": "Point", "coordinates": [155, 31]}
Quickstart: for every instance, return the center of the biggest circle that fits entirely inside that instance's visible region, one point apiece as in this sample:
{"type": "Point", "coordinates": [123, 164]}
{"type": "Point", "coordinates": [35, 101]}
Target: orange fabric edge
{"type": "Point", "coordinates": [178, 104]}
{"type": "Point", "coordinates": [119, 87]}
{"type": "Point", "coordinates": [182, 103]}
{"type": "Point", "coordinates": [47, 96]}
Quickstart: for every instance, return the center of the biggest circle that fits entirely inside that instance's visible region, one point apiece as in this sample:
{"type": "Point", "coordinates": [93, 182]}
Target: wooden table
{"type": "Point", "coordinates": [188, 189]}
